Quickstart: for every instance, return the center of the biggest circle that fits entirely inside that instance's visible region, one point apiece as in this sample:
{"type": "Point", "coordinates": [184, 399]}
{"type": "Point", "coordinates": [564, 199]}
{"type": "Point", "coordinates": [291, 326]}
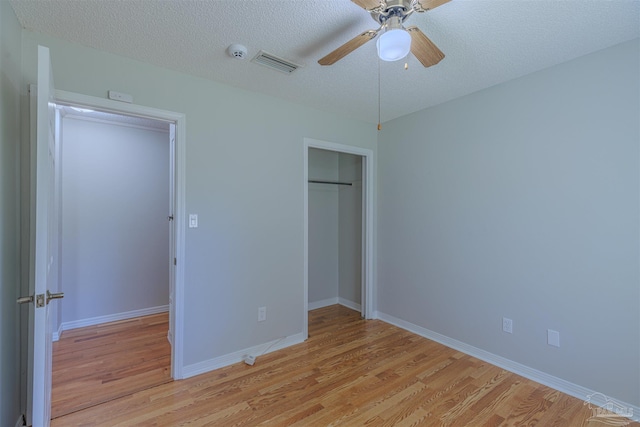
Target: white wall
{"type": "Point", "coordinates": [10, 81]}
{"type": "Point", "coordinates": [244, 179]}
{"type": "Point", "coordinates": [323, 227]}
{"type": "Point", "coordinates": [115, 232]}
{"type": "Point", "coordinates": [522, 201]}
{"type": "Point", "coordinates": [350, 229]}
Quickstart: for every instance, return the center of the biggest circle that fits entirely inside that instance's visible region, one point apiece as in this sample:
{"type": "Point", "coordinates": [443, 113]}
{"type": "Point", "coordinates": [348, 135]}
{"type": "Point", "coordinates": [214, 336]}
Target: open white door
{"type": "Point", "coordinates": [44, 261]}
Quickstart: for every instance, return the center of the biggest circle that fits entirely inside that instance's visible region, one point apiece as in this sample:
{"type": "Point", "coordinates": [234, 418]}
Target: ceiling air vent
{"type": "Point", "coordinates": [275, 63]}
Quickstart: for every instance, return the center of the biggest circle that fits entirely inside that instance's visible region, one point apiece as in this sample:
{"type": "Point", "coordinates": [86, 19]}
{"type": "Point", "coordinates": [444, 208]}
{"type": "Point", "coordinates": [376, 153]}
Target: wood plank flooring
{"type": "Point", "coordinates": [100, 363]}
{"type": "Point", "coordinates": [349, 372]}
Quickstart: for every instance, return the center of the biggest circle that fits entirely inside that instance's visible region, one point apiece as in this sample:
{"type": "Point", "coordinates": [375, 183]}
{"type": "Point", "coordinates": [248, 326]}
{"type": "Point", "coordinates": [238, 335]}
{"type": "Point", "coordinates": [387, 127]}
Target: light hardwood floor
{"type": "Point", "coordinates": [100, 363]}
{"type": "Point", "coordinates": [349, 372]}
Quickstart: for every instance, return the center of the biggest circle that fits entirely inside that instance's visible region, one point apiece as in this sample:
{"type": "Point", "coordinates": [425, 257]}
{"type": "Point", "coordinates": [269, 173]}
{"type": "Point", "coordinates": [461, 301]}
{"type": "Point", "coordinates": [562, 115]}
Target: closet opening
{"type": "Point", "coordinates": [338, 227]}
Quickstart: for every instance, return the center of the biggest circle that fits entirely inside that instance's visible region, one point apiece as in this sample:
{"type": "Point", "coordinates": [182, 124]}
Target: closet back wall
{"type": "Point", "coordinates": [115, 232]}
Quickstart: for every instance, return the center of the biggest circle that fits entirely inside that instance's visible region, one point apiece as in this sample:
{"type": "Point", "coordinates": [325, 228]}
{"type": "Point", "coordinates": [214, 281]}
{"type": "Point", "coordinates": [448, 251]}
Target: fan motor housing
{"type": "Point", "coordinates": [393, 8]}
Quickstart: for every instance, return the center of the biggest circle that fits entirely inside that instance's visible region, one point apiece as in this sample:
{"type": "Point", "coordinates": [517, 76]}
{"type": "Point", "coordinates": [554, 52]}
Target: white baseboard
{"type": "Point", "coordinates": [333, 301]}
{"type": "Point", "coordinates": [56, 335]}
{"type": "Point", "coordinates": [350, 304]}
{"type": "Point", "coordinates": [20, 421]}
{"type": "Point", "coordinates": [556, 383]}
{"type": "Point", "coordinates": [65, 326]}
{"type": "Point", "coordinates": [323, 303]}
{"type": "Point", "coordinates": [235, 357]}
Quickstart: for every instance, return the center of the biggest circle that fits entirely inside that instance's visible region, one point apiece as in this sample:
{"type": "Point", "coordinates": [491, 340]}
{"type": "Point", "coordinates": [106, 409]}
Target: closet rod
{"type": "Point", "coordinates": [329, 182]}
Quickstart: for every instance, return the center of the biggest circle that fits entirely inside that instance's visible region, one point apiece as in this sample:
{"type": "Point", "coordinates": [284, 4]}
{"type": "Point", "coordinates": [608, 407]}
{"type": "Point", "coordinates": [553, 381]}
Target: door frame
{"type": "Point", "coordinates": [368, 236]}
{"type": "Point", "coordinates": [176, 308]}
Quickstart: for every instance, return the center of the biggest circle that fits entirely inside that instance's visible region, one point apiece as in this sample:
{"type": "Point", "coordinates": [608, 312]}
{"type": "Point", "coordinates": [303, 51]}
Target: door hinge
{"type": "Point", "coordinates": [170, 217]}
{"type": "Point", "coordinates": [175, 261]}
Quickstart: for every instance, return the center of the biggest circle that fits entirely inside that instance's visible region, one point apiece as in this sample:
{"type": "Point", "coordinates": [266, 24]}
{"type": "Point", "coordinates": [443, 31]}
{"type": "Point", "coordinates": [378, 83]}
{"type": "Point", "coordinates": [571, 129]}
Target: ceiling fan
{"type": "Point", "coordinates": [395, 42]}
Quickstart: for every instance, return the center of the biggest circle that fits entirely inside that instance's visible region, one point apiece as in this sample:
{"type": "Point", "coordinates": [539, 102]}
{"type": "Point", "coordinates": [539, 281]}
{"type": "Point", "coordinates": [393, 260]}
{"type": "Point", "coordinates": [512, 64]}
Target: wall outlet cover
{"type": "Point", "coordinates": [507, 325]}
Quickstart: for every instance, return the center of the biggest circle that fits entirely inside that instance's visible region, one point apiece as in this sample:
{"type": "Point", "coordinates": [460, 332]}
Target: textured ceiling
{"type": "Point", "coordinates": [486, 42]}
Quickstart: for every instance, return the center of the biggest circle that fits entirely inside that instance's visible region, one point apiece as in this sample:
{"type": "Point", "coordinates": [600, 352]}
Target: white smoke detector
{"type": "Point", "coordinates": [237, 51]}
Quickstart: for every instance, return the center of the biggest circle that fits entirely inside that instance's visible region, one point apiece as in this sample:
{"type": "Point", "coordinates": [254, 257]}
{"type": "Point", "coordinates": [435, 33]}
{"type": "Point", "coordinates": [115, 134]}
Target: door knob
{"type": "Point", "coordinates": [54, 295]}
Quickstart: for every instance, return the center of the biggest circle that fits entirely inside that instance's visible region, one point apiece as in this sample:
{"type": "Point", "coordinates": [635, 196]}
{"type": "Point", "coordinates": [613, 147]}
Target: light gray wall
{"type": "Point", "coordinates": [10, 81]}
{"type": "Point", "coordinates": [522, 201]}
{"type": "Point", "coordinates": [244, 179]}
{"type": "Point", "coordinates": [115, 204]}
{"type": "Point", "coordinates": [350, 228]}
{"type": "Point", "coordinates": [323, 226]}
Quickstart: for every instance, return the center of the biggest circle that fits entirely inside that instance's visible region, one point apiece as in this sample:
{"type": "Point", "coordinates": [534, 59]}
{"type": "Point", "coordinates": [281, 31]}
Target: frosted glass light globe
{"type": "Point", "coordinates": [394, 44]}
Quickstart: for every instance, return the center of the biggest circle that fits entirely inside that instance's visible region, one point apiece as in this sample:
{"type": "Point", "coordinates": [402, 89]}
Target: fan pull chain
{"type": "Point", "coordinates": [379, 121]}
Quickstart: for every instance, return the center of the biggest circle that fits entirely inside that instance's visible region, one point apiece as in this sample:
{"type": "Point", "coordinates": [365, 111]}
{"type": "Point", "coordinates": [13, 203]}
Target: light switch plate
{"type": "Point", "coordinates": [553, 338]}
{"type": "Point", "coordinates": [193, 221]}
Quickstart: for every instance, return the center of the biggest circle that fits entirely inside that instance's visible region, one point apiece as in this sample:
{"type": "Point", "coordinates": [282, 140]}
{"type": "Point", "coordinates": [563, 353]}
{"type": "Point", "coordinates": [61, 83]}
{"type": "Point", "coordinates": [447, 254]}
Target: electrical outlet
{"type": "Point", "coordinates": [262, 314]}
{"type": "Point", "coordinates": [507, 325]}
{"type": "Point", "coordinates": [553, 338]}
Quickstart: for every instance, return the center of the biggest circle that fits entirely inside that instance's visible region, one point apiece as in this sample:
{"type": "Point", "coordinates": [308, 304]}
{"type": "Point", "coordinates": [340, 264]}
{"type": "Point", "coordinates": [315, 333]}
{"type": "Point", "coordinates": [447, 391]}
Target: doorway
{"type": "Point", "coordinates": [338, 222]}
{"type": "Point", "coordinates": [177, 155]}
{"type": "Point", "coordinates": [335, 229]}
{"type": "Point", "coordinates": [114, 250]}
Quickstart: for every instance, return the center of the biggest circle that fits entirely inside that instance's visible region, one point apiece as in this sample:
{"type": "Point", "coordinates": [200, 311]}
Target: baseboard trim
{"type": "Point", "coordinates": [564, 386]}
{"type": "Point", "coordinates": [21, 421]}
{"type": "Point", "coordinates": [333, 301]}
{"type": "Point", "coordinates": [323, 303]}
{"type": "Point", "coordinates": [235, 357]}
{"type": "Point", "coordinates": [56, 335]}
{"type": "Point", "coordinates": [350, 304]}
{"type": "Point", "coordinates": [65, 326]}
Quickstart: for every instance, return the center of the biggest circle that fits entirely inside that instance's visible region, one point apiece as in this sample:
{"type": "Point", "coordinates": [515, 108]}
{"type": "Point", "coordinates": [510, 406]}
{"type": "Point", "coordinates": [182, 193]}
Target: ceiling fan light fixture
{"type": "Point", "coordinates": [394, 44]}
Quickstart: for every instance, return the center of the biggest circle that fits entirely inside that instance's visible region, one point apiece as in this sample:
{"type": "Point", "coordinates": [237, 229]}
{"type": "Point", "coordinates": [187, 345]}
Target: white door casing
{"type": "Point", "coordinates": [172, 245]}
{"type": "Point", "coordinates": [177, 209]}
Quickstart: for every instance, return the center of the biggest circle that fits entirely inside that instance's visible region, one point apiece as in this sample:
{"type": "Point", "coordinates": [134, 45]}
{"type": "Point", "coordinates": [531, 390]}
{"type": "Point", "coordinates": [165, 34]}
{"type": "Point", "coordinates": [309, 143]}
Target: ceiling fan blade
{"type": "Point", "coordinates": [423, 48]}
{"type": "Point", "coordinates": [348, 47]}
{"type": "Point", "coordinates": [368, 4]}
{"type": "Point", "coordinates": [431, 4]}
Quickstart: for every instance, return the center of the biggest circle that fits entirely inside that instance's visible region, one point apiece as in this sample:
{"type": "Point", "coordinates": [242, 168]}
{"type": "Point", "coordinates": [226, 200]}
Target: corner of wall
{"type": "Point", "coordinates": [10, 83]}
